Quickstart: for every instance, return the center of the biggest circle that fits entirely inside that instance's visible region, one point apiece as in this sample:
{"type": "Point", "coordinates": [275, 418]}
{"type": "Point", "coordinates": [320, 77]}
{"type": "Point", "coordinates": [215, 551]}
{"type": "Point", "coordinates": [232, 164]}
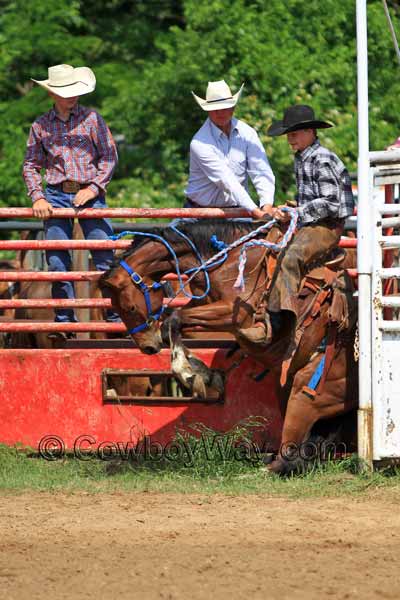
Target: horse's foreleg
{"type": "Point", "coordinates": [190, 370]}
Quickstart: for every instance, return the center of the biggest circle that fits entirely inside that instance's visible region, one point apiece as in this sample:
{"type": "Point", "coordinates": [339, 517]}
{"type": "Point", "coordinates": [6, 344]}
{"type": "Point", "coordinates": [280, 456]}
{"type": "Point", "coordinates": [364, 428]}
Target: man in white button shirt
{"type": "Point", "coordinates": [223, 154]}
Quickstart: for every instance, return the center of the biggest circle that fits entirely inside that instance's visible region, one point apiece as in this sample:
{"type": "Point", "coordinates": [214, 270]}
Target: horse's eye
{"type": "Point", "coordinates": [128, 307]}
{"type": "Point", "coordinates": [126, 301]}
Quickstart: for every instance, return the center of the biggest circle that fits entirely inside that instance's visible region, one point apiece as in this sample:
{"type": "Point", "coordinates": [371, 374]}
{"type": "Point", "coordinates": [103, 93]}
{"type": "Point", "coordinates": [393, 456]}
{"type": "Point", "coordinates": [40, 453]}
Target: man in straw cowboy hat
{"type": "Point", "coordinates": [324, 200]}
{"type": "Point", "coordinates": [75, 147]}
{"type": "Point", "coordinates": [223, 153]}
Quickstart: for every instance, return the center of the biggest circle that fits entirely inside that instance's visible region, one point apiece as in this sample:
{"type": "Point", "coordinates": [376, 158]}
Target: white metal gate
{"type": "Point", "coordinates": [385, 324]}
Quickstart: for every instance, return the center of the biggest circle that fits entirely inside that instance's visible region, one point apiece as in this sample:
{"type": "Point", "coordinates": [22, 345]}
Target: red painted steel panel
{"type": "Point", "coordinates": [352, 273]}
{"type": "Point", "coordinates": [130, 213]}
{"type": "Point", "coordinates": [174, 277]}
{"type": "Point", "coordinates": [177, 302]}
{"type": "Point", "coordinates": [63, 244]}
{"type": "Point", "coordinates": [49, 275]}
{"type": "Point", "coordinates": [348, 243]}
{"type": "Point", "coordinates": [388, 257]}
{"type": "Point", "coordinates": [96, 244]}
{"type": "Point", "coordinates": [64, 302]}
{"type": "Point", "coordinates": [59, 392]}
{"type": "Point", "coordinates": [36, 326]}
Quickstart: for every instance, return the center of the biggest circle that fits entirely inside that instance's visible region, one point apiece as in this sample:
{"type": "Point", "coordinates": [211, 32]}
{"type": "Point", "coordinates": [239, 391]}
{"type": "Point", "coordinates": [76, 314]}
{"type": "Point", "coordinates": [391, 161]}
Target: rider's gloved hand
{"type": "Point", "coordinates": [264, 213]}
{"type": "Point", "coordinates": [282, 216]}
{"type": "Point", "coordinates": [285, 213]}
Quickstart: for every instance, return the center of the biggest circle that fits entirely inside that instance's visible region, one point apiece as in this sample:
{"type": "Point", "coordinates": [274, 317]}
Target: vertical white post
{"type": "Point", "coordinates": [364, 251]}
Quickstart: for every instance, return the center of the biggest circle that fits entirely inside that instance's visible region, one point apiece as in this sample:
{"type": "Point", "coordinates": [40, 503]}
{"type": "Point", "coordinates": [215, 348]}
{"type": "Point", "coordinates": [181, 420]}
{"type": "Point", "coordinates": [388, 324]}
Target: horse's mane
{"type": "Point", "coordinates": [199, 232]}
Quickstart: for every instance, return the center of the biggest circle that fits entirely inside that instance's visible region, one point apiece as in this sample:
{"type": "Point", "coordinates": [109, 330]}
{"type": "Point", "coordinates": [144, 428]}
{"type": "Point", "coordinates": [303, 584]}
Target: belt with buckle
{"type": "Point", "coordinates": [72, 187]}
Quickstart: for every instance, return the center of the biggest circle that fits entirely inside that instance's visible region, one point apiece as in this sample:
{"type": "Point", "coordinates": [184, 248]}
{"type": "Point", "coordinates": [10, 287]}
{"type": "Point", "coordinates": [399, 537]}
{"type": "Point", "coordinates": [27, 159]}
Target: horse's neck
{"type": "Point", "coordinates": [151, 259]}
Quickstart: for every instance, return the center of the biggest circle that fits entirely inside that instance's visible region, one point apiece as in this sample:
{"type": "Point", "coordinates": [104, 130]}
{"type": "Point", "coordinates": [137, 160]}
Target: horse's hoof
{"type": "Point", "coordinates": [278, 466]}
{"type": "Point", "coordinates": [275, 467]}
{"type": "Point", "coordinates": [268, 458]}
{"type": "Point", "coordinates": [111, 394]}
{"type": "Point", "coordinates": [198, 387]}
{"type": "Point", "coordinates": [284, 467]}
{"type": "Point", "coordinates": [217, 382]}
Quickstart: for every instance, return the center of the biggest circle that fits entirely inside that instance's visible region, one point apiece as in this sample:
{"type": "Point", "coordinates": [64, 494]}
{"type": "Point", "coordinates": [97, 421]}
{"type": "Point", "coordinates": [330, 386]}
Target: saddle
{"type": "Point", "coordinates": [324, 282]}
{"type": "Point", "coordinates": [327, 271]}
{"type": "Point", "coordinates": [322, 278]}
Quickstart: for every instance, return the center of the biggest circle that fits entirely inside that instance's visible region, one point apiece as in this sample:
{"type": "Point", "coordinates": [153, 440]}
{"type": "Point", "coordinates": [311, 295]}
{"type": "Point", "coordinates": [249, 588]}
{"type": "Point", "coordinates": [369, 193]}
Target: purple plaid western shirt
{"type": "Point", "coordinates": [80, 149]}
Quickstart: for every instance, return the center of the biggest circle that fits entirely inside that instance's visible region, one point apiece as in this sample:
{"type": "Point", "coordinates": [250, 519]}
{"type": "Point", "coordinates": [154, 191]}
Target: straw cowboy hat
{"type": "Point", "coordinates": [67, 81]}
{"type": "Point", "coordinates": [218, 96]}
{"type": "Point", "coordinates": [299, 116]}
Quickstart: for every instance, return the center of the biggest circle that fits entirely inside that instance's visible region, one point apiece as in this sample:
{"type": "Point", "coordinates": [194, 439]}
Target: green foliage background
{"type": "Point", "coordinates": [148, 55]}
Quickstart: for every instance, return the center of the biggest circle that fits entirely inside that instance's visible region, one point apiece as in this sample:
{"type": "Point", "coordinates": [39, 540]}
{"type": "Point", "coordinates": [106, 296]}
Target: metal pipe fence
{"type": "Point", "coordinates": [47, 276]}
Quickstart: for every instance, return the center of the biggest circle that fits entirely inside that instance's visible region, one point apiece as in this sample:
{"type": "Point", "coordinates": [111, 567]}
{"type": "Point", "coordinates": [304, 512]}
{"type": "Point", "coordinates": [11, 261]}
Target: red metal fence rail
{"type": "Point", "coordinates": [98, 326]}
{"type": "Point", "coordinates": [130, 213]}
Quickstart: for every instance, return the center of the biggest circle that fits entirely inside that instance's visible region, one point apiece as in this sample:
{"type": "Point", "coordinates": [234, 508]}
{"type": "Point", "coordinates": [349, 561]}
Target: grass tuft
{"type": "Point", "coordinates": [198, 460]}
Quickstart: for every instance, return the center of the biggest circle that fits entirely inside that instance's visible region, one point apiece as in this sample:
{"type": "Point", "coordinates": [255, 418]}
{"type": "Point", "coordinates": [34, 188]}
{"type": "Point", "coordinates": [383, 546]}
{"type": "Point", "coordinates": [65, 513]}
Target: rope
{"type": "Point", "coordinates": [240, 241]}
{"type": "Point", "coordinates": [392, 31]}
{"type": "Point", "coordinates": [221, 256]}
{"type": "Point", "coordinates": [174, 256]}
{"type": "Point", "coordinates": [239, 283]}
{"type": "Point", "coordinates": [200, 259]}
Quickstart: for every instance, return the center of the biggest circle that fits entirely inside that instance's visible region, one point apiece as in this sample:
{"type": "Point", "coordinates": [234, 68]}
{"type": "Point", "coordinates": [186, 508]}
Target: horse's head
{"type": "Point", "coordinates": [133, 284]}
{"type": "Point", "coordinates": [138, 302]}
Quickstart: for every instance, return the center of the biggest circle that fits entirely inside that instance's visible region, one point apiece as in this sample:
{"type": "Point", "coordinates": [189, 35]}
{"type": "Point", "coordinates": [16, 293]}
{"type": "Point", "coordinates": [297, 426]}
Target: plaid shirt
{"type": "Point", "coordinates": [80, 149]}
{"type": "Point", "coordinates": [323, 185]}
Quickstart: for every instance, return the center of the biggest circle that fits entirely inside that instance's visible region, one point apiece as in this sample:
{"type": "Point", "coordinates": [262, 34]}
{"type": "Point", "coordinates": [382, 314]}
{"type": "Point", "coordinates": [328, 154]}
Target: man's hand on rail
{"type": "Point", "coordinates": [42, 209]}
{"type": "Point", "coordinates": [84, 196]}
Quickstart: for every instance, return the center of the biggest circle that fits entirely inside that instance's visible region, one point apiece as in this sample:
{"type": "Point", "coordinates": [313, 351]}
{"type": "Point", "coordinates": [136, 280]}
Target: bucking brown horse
{"type": "Point", "coordinates": [326, 325]}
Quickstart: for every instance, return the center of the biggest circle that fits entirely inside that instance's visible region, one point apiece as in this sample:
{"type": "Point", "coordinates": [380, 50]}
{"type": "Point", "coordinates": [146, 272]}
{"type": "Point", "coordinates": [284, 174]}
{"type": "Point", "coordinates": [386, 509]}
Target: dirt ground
{"type": "Point", "coordinates": [188, 547]}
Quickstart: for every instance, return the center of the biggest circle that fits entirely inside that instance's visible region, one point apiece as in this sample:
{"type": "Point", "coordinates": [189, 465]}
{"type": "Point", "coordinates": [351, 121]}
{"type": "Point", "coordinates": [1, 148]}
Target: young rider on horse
{"type": "Point", "coordinates": [75, 147]}
{"type": "Point", "coordinates": [324, 200]}
{"type": "Point", "coordinates": [223, 153]}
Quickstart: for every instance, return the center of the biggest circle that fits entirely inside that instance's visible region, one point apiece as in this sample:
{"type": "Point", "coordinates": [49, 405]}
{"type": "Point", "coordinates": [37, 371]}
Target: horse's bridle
{"type": "Point", "coordinates": [145, 289]}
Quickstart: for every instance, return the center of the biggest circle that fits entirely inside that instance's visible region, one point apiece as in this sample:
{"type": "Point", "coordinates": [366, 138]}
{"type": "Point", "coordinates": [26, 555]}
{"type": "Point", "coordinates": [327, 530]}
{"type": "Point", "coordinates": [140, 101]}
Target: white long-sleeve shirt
{"type": "Point", "coordinates": [220, 167]}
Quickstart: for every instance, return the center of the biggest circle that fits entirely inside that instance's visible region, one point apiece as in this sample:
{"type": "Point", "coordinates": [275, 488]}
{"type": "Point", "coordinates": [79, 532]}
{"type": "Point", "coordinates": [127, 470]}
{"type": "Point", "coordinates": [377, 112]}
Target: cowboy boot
{"type": "Point", "coordinates": [260, 333]}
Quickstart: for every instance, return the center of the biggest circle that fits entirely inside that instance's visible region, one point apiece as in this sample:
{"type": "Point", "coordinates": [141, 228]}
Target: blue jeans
{"type": "Point", "coordinates": [60, 260]}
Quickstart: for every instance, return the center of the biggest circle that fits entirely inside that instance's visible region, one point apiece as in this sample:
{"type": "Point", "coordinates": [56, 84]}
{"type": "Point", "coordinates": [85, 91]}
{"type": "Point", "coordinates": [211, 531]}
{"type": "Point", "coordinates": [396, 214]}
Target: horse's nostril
{"type": "Point", "coordinates": [150, 350]}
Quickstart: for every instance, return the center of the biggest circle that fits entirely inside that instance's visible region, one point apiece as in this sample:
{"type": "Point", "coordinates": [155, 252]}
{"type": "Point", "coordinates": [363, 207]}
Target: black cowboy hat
{"type": "Point", "coordinates": [299, 116]}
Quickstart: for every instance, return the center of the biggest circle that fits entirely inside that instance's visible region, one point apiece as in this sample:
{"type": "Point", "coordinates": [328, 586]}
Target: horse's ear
{"type": "Point", "coordinates": [115, 279]}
